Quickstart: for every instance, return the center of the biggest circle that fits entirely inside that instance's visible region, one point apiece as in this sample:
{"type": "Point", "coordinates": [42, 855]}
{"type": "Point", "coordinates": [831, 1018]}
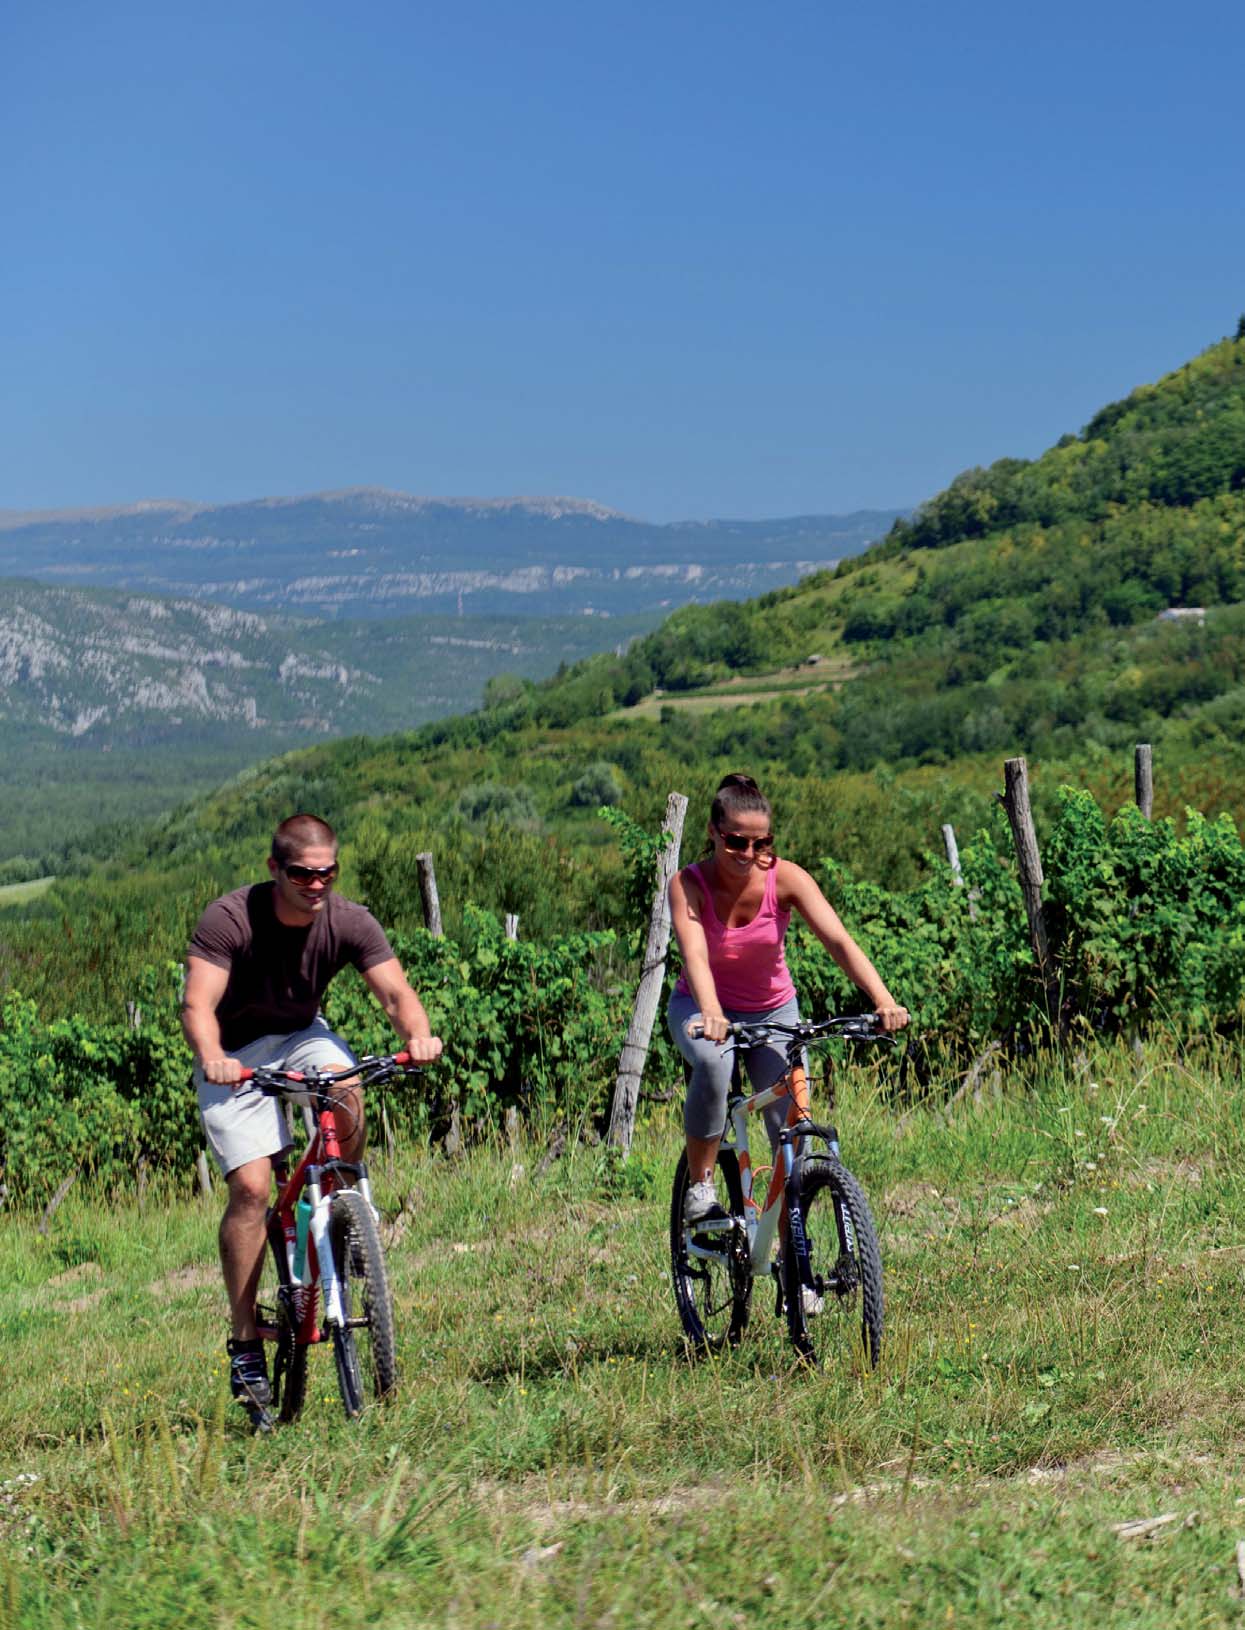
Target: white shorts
{"type": "Point", "coordinates": [242, 1125]}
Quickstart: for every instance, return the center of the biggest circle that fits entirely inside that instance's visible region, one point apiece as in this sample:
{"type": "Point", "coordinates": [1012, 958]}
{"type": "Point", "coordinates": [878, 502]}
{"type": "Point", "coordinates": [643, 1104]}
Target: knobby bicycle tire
{"type": "Point", "coordinates": [289, 1364]}
{"type": "Point", "coordinates": [367, 1368]}
{"type": "Point", "coordinates": [289, 1372]}
{"type": "Point", "coordinates": [846, 1264]}
{"type": "Point", "coordinates": [713, 1298]}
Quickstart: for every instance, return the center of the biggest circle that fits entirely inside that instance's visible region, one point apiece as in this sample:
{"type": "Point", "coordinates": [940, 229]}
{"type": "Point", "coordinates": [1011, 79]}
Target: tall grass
{"type": "Point", "coordinates": [1066, 1350]}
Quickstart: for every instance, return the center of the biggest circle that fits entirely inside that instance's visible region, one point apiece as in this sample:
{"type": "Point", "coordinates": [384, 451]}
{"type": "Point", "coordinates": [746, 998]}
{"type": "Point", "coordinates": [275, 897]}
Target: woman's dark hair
{"type": "Point", "coordinates": [738, 794]}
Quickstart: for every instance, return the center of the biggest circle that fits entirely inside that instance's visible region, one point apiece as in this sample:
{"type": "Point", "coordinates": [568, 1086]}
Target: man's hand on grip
{"type": "Point", "coordinates": [424, 1049]}
{"type": "Point", "coordinates": [226, 1071]}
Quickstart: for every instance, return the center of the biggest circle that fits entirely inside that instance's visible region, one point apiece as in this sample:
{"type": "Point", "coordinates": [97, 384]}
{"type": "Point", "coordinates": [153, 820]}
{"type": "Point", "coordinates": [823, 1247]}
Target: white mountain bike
{"type": "Point", "coordinates": [813, 1237]}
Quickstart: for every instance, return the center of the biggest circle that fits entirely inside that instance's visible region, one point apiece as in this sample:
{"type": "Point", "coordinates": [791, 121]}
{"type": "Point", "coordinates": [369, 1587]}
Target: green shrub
{"type": "Point", "coordinates": [599, 784]}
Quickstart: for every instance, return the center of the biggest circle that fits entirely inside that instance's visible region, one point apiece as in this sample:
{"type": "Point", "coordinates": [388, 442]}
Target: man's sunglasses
{"type": "Point", "coordinates": [739, 845]}
{"type": "Point", "coordinates": [311, 874]}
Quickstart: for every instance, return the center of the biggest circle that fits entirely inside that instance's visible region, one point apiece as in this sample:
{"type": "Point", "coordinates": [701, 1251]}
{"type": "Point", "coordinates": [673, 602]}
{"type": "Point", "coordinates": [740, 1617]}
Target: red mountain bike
{"type": "Point", "coordinates": [331, 1283]}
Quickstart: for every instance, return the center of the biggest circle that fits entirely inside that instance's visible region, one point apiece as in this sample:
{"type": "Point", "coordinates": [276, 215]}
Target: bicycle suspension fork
{"type": "Point", "coordinates": [318, 1227]}
{"type": "Point", "coordinates": [797, 1238]}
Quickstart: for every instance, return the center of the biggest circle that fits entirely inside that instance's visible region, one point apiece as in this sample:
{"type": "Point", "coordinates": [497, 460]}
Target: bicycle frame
{"type": "Point", "coordinates": [318, 1176]}
{"type": "Point", "coordinates": [764, 1221]}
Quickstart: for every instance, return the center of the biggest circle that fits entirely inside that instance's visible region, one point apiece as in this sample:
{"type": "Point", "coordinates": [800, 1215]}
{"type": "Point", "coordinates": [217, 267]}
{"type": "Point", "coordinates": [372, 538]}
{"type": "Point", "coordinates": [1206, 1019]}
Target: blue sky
{"type": "Point", "coordinates": [684, 259]}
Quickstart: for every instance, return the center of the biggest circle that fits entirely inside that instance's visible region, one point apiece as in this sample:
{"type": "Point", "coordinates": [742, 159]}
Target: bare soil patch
{"type": "Point", "coordinates": [182, 1280]}
{"type": "Point", "coordinates": [84, 1272]}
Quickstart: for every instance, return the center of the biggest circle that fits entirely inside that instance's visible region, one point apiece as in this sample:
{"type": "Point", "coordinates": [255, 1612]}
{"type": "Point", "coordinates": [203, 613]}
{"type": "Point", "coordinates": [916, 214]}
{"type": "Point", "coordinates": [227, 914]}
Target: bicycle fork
{"type": "Point", "coordinates": [797, 1238]}
{"type": "Point", "coordinates": [334, 1302]}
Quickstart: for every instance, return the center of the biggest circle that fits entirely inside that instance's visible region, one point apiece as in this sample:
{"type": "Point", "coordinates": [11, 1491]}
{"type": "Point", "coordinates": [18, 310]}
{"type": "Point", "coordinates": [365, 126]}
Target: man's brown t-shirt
{"type": "Point", "coordinates": [277, 975]}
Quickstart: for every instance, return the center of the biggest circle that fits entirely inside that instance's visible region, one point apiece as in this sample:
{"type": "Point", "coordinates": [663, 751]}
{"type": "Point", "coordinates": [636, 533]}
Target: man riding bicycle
{"type": "Point", "coordinates": [257, 967]}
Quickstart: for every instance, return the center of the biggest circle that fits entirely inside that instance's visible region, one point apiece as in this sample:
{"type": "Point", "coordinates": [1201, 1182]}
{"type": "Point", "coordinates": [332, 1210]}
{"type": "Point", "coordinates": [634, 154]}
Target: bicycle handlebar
{"type": "Point", "coordinates": [850, 1026]}
{"type": "Point", "coordinates": [273, 1082]}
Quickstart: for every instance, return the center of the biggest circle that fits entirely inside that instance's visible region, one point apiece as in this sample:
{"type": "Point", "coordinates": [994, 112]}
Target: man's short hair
{"type": "Point", "coordinates": [299, 833]}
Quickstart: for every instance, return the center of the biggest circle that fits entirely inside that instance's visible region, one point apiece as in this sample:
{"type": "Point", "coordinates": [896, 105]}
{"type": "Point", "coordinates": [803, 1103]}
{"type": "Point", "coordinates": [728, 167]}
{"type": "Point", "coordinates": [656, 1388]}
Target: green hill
{"type": "Point", "coordinates": [1016, 612]}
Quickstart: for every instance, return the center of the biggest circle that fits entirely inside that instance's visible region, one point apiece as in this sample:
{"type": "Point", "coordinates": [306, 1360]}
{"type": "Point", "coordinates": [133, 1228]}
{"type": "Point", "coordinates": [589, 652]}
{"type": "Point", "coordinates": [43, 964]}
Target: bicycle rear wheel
{"type": "Point", "coordinates": [367, 1368]}
{"type": "Point", "coordinates": [845, 1307]}
{"type": "Point", "coordinates": [709, 1264]}
{"type": "Point", "coordinates": [289, 1364]}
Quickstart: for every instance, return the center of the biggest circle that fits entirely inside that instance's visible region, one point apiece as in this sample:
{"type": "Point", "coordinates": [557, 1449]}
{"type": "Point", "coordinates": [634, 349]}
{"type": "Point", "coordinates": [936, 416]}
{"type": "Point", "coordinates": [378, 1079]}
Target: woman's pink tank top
{"type": "Point", "coordinates": [748, 965]}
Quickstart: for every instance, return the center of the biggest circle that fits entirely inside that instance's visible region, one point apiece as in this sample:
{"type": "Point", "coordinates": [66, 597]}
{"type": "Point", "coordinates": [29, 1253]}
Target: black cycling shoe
{"type": "Point", "coordinates": [248, 1380]}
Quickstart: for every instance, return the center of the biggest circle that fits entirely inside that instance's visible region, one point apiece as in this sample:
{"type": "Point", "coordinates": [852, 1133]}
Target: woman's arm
{"type": "Point", "coordinates": [796, 888]}
{"type": "Point", "coordinates": [685, 906]}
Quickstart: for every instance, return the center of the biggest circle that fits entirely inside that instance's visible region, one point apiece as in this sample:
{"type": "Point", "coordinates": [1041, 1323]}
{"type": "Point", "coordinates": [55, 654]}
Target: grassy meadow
{"type": "Point", "coordinates": [19, 894]}
{"type": "Point", "coordinates": [1064, 1250]}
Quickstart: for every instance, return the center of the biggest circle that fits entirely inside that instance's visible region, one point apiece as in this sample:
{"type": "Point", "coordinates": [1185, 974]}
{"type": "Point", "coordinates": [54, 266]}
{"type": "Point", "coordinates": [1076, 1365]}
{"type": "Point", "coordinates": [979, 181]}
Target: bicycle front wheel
{"type": "Point", "coordinates": [367, 1368]}
{"type": "Point", "coordinates": [709, 1262]}
{"type": "Point", "coordinates": [844, 1305]}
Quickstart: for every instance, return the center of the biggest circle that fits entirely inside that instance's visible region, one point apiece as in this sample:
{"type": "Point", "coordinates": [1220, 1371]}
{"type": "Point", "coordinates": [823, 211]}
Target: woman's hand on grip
{"type": "Point", "coordinates": [891, 1016]}
{"type": "Point", "coordinates": [712, 1026]}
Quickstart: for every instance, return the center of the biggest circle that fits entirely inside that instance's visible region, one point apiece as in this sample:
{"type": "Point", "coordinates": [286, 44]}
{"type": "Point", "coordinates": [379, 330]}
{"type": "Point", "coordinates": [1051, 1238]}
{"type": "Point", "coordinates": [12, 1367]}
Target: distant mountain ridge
{"type": "Point", "coordinates": [371, 552]}
{"type": "Point", "coordinates": [381, 497]}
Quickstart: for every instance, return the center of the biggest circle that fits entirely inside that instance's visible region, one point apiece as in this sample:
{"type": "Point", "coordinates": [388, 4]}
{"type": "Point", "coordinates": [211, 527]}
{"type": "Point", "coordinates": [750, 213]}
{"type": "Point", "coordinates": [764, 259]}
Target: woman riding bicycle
{"type": "Point", "coordinates": [730, 913]}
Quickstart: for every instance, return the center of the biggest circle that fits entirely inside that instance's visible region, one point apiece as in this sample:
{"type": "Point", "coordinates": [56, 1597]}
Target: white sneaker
{"type": "Point", "coordinates": [700, 1203]}
{"type": "Point", "coordinates": [810, 1301]}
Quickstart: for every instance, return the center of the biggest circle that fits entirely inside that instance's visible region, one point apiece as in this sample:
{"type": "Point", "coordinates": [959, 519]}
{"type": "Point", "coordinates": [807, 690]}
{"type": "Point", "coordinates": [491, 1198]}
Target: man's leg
{"type": "Point", "coordinates": [351, 1126]}
{"type": "Point", "coordinates": [242, 1241]}
{"type": "Point", "coordinates": [318, 1046]}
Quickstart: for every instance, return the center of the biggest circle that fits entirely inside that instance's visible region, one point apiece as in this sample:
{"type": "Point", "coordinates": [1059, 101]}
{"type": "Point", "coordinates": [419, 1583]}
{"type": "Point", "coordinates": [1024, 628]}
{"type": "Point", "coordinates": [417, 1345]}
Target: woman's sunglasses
{"type": "Point", "coordinates": [739, 845]}
{"type": "Point", "coordinates": [311, 874]}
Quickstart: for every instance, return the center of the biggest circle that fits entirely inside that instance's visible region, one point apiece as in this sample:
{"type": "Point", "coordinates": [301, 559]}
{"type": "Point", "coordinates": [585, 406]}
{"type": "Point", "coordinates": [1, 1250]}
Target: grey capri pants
{"type": "Point", "coordinates": [704, 1110]}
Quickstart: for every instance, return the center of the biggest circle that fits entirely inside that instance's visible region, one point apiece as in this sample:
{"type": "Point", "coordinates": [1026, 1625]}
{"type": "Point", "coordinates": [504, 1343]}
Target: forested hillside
{"type": "Point", "coordinates": [116, 706]}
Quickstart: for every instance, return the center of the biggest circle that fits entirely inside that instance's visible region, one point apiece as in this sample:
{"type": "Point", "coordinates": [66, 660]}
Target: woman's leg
{"type": "Point", "coordinates": [766, 1065]}
{"type": "Point", "coordinates": [704, 1109]}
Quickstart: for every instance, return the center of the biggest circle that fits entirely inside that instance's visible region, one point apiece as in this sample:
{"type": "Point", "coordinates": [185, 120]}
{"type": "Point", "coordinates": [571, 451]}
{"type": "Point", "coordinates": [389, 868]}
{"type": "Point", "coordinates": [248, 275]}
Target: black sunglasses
{"type": "Point", "coordinates": [738, 844]}
{"type": "Point", "coordinates": [309, 874]}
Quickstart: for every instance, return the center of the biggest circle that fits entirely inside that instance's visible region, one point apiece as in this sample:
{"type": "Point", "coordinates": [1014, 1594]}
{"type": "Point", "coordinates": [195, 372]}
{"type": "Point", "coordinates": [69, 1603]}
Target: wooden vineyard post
{"type": "Point", "coordinates": [957, 875]}
{"type": "Point", "coordinates": [1015, 801]}
{"type": "Point", "coordinates": [953, 854]}
{"type": "Point", "coordinates": [1143, 777]}
{"type": "Point", "coordinates": [648, 994]}
{"type": "Point", "coordinates": [428, 893]}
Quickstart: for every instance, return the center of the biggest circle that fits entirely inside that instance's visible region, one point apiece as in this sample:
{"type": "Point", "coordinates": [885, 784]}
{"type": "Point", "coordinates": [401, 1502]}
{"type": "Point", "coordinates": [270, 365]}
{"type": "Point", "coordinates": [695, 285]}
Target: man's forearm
{"type": "Point", "coordinates": [407, 1016]}
{"type": "Point", "coordinates": [202, 1032]}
